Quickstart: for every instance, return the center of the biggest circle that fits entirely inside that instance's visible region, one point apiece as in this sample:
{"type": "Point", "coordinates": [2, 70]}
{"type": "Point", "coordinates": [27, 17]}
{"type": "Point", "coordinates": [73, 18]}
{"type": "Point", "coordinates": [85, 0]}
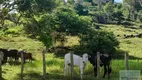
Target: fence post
{"type": "Point", "coordinates": [44, 64]}
{"type": "Point", "coordinates": [1, 58]}
{"type": "Point", "coordinates": [98, 64]}
{"type": "Point", "coordinates": [126, 61]}
{"type": "Point", "coordinates": [22, 64]}
{"type": "Point", "coordinates": [71, 58]}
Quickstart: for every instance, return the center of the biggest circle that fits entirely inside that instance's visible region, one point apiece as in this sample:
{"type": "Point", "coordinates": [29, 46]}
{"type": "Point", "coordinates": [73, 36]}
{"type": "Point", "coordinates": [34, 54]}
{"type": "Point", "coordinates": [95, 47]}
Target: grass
{"type": "Point", "coordinates": [55, 63]}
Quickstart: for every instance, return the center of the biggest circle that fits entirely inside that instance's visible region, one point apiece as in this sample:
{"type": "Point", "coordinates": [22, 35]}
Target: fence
{"type": "Point", "coordinates": [129, 74]}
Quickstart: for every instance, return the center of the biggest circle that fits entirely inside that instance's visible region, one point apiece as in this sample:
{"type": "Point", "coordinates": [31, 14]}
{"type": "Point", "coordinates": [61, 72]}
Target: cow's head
{"type": "Point", "coordinates": [85, 58]}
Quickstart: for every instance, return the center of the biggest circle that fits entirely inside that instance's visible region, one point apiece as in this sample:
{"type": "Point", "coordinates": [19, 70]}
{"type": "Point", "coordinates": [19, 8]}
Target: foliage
{"type": "Point", "coordinates": [42, 29]}
{"type": "Point", "coordinates": [72, 23]}
{"type": "Point", "coordinates": [140, 15]}
{"type": "Point", "coordinates": [126, 12]}
{"type": "Point", "coordinates": [98, 17]}
{"type": "Point", "coordinates": [33, 6]}
{"type": "Point", "coordinates": [81, 10]}
{"type": "Point", "coordinates": [117, 15]}
{"type": "Point", "coordinates": [109, 10]}
{"type": "Point", "coordinates": [101, 41]}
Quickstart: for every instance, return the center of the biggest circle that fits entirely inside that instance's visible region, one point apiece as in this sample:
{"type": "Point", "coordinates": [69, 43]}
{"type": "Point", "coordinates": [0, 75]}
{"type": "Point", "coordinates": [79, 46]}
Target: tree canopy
{"type": "Point", "coordinates": [48, 20]}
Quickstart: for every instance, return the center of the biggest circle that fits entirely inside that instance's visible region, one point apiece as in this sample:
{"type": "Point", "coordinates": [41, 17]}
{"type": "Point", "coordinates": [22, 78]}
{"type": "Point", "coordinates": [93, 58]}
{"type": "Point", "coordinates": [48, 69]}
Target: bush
{"type": "Point", "coordinates": [102, 41]}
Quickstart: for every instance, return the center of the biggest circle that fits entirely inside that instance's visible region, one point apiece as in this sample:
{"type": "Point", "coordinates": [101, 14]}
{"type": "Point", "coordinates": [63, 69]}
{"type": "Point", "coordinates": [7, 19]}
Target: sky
{"type": "Point", "coordinates": [119, 1]}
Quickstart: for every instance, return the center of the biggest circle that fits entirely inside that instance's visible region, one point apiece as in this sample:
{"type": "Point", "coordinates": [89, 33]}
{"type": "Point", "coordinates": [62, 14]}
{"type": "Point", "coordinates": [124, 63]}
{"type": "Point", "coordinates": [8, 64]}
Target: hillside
{"type": "Point", "coordinates": [33, 71]}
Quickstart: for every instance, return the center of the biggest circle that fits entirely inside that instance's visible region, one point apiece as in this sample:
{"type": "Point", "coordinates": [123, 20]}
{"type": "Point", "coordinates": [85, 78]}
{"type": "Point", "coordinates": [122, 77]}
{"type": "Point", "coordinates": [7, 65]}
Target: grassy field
{"type": "Point", "coordinates": [55, 62]}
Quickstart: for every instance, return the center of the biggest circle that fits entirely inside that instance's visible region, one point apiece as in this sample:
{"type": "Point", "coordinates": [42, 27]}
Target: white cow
{"type": "Point", "coordinates": [77, 61]}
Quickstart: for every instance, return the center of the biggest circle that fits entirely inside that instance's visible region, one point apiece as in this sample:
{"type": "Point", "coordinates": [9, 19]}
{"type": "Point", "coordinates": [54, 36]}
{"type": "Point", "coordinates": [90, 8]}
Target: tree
{"type": "Point", "coordinates": [41, 28]}
{"type": "Point", "coordinates": [70, 23]}
{"type": "Point", "coordinates": [109, 10]}
{"type": "Point", "coordinates": [101, 41]}
{"type": "Point", "coordinates": [81, 10]}
{"type": "Point", "coordinates": [133, 6]}
{"type": "Point", "coordinates": [118, 13]}
{"type": "Point", "coordinates": [35, 12]}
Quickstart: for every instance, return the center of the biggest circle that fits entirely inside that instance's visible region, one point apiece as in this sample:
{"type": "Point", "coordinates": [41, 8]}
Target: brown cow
{"type": "Point", "coordinates": [26, 56]}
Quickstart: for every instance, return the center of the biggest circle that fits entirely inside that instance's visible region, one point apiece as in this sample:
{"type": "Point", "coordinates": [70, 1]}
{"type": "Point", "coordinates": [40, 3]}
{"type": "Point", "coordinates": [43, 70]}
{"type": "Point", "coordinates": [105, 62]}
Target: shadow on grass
{"type": "Point", "coordinates": [32, 75]}
{"type": "Point", "coordinates": [120, 54]}
{"type": "Point", "coordinates": [50, 76]}
{"type": "Point", "coordinates": [2, 78]}
{"type": "Point", "coordinates": [79, 50]}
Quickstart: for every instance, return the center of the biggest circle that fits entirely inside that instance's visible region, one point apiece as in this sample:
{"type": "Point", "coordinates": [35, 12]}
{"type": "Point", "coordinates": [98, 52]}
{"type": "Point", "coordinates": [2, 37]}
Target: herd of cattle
{"type": "Point", "coordinates": [105, 60]}
{"type": "Point", "coordinates": [11, 54]}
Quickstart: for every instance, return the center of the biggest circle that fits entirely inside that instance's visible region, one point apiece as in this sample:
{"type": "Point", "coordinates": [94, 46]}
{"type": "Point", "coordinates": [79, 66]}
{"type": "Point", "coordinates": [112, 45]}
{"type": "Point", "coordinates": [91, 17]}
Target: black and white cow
{"type": "Point", "coordinates": [105, 61]}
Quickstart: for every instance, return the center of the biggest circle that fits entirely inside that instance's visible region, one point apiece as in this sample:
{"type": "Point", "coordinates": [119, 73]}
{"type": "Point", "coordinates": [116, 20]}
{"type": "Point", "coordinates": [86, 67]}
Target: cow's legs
{"type": "Point", "coordinates": [109, 71]}
{"type": "Point", "coordinates": [65, 69]}
{"type": "Point", "coordinates": [95, 70]}
{"type": "Point", "coordinates": [10, 59]}
{"type": "Point", "coordinates": [81, 72]}
{"type": "Point", "coordinates": [69, 68]}
{"type": "Point", "coordinates": [105, 71]}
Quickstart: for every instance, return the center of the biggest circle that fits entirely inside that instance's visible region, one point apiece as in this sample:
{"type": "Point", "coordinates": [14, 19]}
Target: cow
{"type": "Point", "coordinates": [105, 61]}
{"type": "Point", "coordinates": [5, 51]}
{"type": "Point", "coordinates": [77, 61]}
{"type": "Point", "coordinates": [13, 53]}
{"type": "Point", "coordinates": [9, 54]}
{"type": "Point", "coordinates": [26, 55]}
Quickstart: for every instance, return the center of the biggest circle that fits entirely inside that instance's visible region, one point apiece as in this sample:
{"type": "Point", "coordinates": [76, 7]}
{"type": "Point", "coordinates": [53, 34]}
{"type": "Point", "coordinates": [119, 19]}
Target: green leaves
{"type": "Point", "coordinates": [101, 41]}
{"type": "Point", "coordinates": [24, 5]}
{"type": "Point", "coordinates": [45, 4]}
{"type": "Point", "coordinates": [109, 8]}
{"type": "Point", "coordinates": [72, 23]}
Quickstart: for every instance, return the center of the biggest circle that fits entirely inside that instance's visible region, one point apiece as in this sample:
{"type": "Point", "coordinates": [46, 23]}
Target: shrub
{"type": "Point", "coordinates": [101, 41]}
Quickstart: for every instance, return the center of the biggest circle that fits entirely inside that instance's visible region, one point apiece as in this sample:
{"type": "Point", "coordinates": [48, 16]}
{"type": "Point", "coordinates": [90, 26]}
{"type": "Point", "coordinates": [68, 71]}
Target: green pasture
{"type": "Point", "coordinates": [55, 62]}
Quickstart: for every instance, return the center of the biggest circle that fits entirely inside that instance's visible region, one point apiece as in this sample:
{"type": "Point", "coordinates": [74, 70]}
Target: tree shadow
{"type": "Point", "coordinates": [62, 77]}
{"type": "Point", "coordinates": [2, 78]}
{"type": "Point", "coordinates": [49, 76]}
{"type": "Point", "coordinates": [126, 23]}
{"type": "Point", "coordinates": [32, 75]}
{"type": "Point", "coordinates": [14, 63]}
{"type": "Point", "coordinates": [79, 50]}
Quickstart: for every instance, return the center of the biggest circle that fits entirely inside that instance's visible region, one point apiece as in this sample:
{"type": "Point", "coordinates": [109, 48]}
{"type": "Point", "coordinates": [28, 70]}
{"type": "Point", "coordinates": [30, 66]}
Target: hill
{"type": "Point", "coordinates": [55, 62]}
